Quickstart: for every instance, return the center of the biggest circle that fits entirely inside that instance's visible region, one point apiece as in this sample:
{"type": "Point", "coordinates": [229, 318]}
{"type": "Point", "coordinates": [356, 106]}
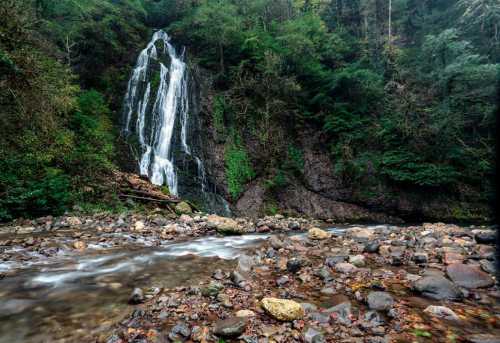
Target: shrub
{"type": "Point", "coordinates": [238, 169]}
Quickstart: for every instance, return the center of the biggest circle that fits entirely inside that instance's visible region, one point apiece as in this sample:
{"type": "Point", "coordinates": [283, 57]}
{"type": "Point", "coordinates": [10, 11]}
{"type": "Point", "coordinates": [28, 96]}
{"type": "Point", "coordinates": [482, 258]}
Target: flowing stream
{"type": "Point", "coordinates": [74, 296]}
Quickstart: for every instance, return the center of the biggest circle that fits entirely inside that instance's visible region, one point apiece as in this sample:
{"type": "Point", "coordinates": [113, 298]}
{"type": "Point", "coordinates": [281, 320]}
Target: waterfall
{"type": "Point", "coordinates": [156, 160]}
{"type": "Point", "coordinates": [158, 121]}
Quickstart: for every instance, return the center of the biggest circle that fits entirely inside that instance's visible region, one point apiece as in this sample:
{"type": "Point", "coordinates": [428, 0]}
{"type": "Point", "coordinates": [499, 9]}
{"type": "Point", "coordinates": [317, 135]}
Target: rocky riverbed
{"type": "Point", "coordinates": [155, 278]}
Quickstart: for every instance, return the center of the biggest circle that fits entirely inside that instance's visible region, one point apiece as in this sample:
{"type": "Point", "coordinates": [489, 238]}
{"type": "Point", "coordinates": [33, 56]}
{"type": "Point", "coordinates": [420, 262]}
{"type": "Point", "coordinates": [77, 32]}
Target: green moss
{"type": "Point", "coordinates": [239, 169]}
{"type": "Point", "coordinates": [271, 208]}
{"type": "Point", "coordinates": [165, 190]}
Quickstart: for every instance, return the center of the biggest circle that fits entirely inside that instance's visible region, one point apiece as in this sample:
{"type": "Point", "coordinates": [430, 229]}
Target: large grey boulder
{"type": "Point", "coordinates": [438, 287]}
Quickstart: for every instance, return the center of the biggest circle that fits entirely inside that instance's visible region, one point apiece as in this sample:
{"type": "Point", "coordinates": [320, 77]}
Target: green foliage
{"type": "Point", "coordinates": [92, 124]}
{"type": "Point", "coordinates": [271, 208]}
{"type": "Point", "coordinates": [404, 166]}
{"type": "Point", "coordinates": [295, 160]}
{"type": "Point", "coordinates": [218, 113]}
{"type": "Point", "coordinates": [28, 191]}
{"type": "Point", "coordinates": [422, 333]}
{"type": "Point", "coordinates": [279, 181]}
{"type": "Point", "coordinates": [417, 113]}
{"type": "Point", "coordinates": [415, 109]}
{"type": "Point", "coordinates": [54, 139]}
{"type": "Point", "coordinates": [238, 168]}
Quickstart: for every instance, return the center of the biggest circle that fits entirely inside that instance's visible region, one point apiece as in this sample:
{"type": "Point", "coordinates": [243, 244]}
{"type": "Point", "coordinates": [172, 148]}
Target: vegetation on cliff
{"type": "Point", "coordinates": [401, 92]}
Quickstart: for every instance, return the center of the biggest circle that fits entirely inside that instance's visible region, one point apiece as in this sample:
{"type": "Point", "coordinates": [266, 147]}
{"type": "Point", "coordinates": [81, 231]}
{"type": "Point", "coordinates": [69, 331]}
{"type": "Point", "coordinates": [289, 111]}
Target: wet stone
{"type": "Point", "coordinates": [438, 287]}
{"type": "Point", "coordinates": [237, 278]}
{"type": "Point", "coordinates": [485, 237]}
{"type": "Point", "coordinates": [357, 260]}
{"type": "Point", "coordinates": [483, 338]}
{"type": "Point", "coordinates": [179, 332]}
{"type": "Point", "coordinates": [312, 335]}
{"type": "Point", "coordinates": [372, 247]}
{"type": "Point", "coordinates": [442, 312]}
{"type": "Point", "coordinates": [333, 260]}
{"type": "Point", "coordinates": [325, 275]}
{"type": "Point", "coordinates": [420, 258]}
{"type": "Point", "coordinates": [212, 290]}
{"type": "Point", "coordinates": [488, 266]}
{"type": "Point", "coordinates": [380, 301]}
{"type": "Point", "coordinates": [341, 313]}
{"type": "Point", "coordinates": [319, 317]}
{"type": "Point", "coordinates": [283, 280]}
{"type": "Point", "coordinates": [232, 327]}
{"type": "Point", "coordinates": [345, 268]}
{"type": "Point", "coordinates": [218, 275]}
{"type": "Point", "coordinates": [469, 276]}
{"type": "Point", "coordinates": [372, 319]}
{"type": "Point", "coordinates": [293, 265]}
{"type": "Point", "coordinates": [136, 297]}
{"type": "Point", "coordinates": [327, 291]}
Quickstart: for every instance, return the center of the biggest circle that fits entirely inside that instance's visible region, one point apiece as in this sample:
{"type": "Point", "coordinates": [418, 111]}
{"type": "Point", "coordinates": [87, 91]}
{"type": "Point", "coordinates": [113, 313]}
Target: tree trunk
{"type": "Point", "coordinates": [221, 56]}
{"type": "Point", "coordinates": [390, 23]}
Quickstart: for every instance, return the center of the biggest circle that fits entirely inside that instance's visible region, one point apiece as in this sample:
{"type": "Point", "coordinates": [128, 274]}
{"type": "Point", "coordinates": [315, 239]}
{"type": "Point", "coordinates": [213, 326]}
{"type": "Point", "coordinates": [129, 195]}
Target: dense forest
{"type": "Point", "coordinates": [396, 92]}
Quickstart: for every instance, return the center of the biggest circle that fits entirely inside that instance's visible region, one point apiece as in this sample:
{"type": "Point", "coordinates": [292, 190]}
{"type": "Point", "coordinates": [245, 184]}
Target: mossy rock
{"type": "Point", "coordinates": [183, 208]}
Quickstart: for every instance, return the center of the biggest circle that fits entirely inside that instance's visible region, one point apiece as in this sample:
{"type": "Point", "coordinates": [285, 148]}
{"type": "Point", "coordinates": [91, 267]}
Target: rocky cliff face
{"type": "Point", "coordinates": [319, 192]}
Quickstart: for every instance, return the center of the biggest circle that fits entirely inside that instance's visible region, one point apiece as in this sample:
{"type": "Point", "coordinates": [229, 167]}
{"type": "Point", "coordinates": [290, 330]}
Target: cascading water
{"type": "Point", "coordinates": [157, 115]}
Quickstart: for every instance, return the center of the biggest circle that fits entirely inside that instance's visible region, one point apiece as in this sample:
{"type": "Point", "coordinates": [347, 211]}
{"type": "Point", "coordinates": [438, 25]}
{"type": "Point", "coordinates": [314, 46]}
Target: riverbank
{"type": "Point", "coordinates": [70, 279]}
{"type": "Point", "coordinates": [385, 284]}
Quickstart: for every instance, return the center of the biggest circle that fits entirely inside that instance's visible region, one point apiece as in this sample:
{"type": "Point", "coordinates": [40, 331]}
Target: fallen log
{"type": "Point", "coordinates": [166, 201]}
{"type": "Point", "coordinates": [147, 194]}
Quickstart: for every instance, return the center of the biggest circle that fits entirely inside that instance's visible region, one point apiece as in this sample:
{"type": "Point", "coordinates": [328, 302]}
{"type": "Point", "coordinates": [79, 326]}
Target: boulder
{"type": "Point", "coordinates": [283, 309]}
{"type": "Point", "coordinates": [184, 218]}
{"type": "Point", "coordinates": [438, 287]}
{"type": "Point", "coordinates": [469, 276]}
{"type": "Point", "coordinates": [485, 237]}
{"type": "Point", "coordinates": [318, 234]}
{"type": "Point", "coordinates": [225, 226]}
{"type": "Point", "coordinates": [360, 234]}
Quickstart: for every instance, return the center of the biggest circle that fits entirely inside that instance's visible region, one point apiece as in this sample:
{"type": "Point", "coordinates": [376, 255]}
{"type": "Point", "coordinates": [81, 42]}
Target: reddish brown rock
{"type": "Point", "coordinates": [452, 257]}
{"type": "Point", "coordinates": [469, 276]}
